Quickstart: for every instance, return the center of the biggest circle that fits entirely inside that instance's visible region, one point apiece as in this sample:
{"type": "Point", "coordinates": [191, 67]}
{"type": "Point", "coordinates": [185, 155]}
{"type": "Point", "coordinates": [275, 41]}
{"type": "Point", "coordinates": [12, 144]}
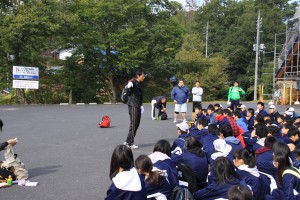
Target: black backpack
{"type": "Point", "coordinates": [163, 116]}
{"type": "Point", "coordinates": [181, 193]}
{"type": "Point", "coordinates": [186, 175]}
{"type": "Point", "coordinates": [124, 95]}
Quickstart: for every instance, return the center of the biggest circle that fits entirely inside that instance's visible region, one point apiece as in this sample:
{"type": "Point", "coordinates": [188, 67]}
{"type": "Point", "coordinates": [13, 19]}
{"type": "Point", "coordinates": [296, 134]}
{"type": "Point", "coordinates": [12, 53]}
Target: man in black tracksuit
{"type": "Point", "coordinates": [135, 106]}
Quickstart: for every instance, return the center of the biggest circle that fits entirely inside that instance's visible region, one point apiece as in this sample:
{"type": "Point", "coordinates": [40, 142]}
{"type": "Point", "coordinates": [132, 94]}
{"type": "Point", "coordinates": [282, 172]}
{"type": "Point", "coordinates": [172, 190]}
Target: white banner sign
{"type": "Point", "coordinates": [20, 72]}
{"type": "Point", "coordinates": [25, 84]}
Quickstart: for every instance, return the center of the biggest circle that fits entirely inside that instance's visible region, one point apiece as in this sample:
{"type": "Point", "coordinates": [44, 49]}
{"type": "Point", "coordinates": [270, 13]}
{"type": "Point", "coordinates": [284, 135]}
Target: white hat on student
{"type": "Point", "coordinates": [243, 106]}
{"type": "Point", "coordinates": [183, 126]}
{"type": "Point", "coordinates": [221, 146]}
{"type": "Point", "coordinates": [272, 107]}
{"type": "Point", "coordinates": [291, 109]}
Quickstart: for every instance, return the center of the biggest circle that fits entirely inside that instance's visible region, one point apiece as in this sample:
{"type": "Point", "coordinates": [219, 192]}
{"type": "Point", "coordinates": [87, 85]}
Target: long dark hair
{"type": "Point", "coordinates": [163, 146]}
{"type": "Point", "coordinates": [194, 146]}
{"type": "Point", "coordinates": [245, 156]}
{"type": "Point", "coordinates": [281, 155]}
{"type": "Point", "coordinates": [144, 164]}
{"type": "Point", "coordinates": [239, 192]}
{"type": "Point", "coordinates": [122, 157]}
{"type": "Point", "coordinates": [223, 171]}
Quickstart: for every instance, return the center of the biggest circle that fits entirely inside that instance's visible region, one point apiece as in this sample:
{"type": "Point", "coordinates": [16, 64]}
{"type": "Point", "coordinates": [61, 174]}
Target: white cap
{"type": "Point", "coordinates": [183, 126]}
{"type": "Point", "coordinates": [221, 146]}
{"type": "Point", "coordinates": [243, 106]}
{"type": "Point", "coordinates": [272, 107]}
{"type": "Point", "coordinates": [288, 113]}
{"type": "Point", "coordinates": [291, 109]}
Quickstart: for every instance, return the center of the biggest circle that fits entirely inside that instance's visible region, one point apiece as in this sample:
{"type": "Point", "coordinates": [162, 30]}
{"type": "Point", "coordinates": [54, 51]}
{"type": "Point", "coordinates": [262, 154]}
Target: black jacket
{"type": "Point", "coordinates": [159, 105]}
{"type": "Point", "coordinates": [135, 94]}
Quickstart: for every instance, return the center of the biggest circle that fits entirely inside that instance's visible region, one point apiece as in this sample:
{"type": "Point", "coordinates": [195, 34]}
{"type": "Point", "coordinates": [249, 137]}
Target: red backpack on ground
{"type": "Point", "coordinates": [105, 123]}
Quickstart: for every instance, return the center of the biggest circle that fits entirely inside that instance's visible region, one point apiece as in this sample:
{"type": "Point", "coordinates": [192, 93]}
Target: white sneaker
{"type": "Point", "coordinates": [125, 143]}
{"type": "Point", "coordinates": [175, 121]}
{"type": "Point", "coordinates": [134, 146]}
{"type": "Point", "coordinates": [153, 118]}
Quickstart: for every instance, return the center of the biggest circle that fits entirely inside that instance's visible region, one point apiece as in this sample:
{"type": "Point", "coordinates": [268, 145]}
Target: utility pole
{"type": "Point", "coordinates": [206, 40]}
{"type": "Point", "coordinates": [257, 48]}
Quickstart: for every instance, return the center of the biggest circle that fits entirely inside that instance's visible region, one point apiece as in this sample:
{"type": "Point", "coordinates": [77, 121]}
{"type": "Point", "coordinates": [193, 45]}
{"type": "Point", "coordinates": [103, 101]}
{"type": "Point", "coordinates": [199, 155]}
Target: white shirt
{"type": "Point", "coordinates": [197, 93]}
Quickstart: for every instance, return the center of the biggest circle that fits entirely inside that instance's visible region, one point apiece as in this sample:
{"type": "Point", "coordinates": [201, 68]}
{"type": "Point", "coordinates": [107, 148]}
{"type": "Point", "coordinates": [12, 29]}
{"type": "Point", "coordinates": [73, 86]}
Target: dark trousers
{"type": "Point", "coordinates": [234, 104]}
{"type": "Point", "coordinates": [135, 118]}
{"type": "Point", "coordinates": [196, 103]}
{"type": "Point", "coordinates": [153, 110]}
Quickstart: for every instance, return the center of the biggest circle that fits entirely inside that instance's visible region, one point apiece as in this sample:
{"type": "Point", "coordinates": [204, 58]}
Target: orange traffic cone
{"type": "Point", "coordinates": [282, 101]}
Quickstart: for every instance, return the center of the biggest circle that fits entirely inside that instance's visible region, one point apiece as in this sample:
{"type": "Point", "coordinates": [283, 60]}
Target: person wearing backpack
{"type": "Point", "coordinates": [194, 157]}
{"type": "Point", "coordinates": [180, 95]}
{"type": "Point", "coordinates": [288, 176]}
{"type": "Point", "coordinates": [158, 103]}
{"type": "Point", "coordinates": [234, 95]}
{"type": "Point", "coordinates": [135, 106]}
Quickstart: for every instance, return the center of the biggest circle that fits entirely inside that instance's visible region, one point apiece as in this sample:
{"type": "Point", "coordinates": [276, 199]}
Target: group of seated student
{"type": "Point", "coordinates": [234, 156]}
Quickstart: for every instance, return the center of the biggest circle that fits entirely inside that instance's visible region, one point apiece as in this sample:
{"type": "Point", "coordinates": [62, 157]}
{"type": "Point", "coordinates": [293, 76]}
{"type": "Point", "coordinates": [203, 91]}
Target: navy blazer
{"type": "Point", "coordinates": [199, 165]}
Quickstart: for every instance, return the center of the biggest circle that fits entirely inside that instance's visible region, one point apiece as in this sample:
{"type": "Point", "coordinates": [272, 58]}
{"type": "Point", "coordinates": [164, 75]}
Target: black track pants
{"type": "Point", "coordinates": [135, 118]}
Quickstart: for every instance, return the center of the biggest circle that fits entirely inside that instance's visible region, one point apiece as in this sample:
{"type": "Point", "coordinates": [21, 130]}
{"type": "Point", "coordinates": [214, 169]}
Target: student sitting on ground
{"type": "Point", "coordinates": [260, 133]}
{"type": "Point", "coordinates": [288, 176]}
{"type": "Point", "coordinates": [224, 176]}
{"type": "Point", "coordinates": [246, 169]}
{"type": "Point", "coordinates": [239, 192]}
{"type": "Point", "coordinates": [201, 131]}
{"type": "Point", "coordinates": [161, 159]}
{"type": "Point", "coordinates": [209, 139]}
{"type": "Point", "coordinates": [264, 157]}
{"type": "Point", "coordinates": [199, 115]}
{"type": "Point", "coordinates": [127, 183]}
{"type": "Point", "coordinates": [225, 132]}
{"type": "Point", "coordinates": [296, 153]}
{"type": "Point", "coordinates": [157, 186]}
{"type": "Point", "coordinates": [274, 131]}
{"type": "Point", "coordinates": [183, 134]}
{"type": "Point", "coordinates": [194, 157]}
{"type": "Point", "coordinates": [222, 149]}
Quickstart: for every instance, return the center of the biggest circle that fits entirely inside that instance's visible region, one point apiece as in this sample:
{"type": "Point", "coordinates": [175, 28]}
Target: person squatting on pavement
{"type": "Point", "coordinates": [180, 95]}
{"type": "Point", "coordinates": [158, 103]}
{"type": "Point", "coordinates": [135, 106]}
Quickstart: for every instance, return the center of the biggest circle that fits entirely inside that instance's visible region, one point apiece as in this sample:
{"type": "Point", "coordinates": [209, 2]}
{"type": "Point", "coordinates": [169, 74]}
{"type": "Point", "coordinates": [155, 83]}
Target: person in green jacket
{"type": "Point", "coordinates": [234, 95]}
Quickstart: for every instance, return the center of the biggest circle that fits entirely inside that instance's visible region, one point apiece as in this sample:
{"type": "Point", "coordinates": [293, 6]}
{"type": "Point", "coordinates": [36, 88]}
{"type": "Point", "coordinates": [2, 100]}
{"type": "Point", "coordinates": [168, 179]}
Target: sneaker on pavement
{"type": "Point", "coordinates": [134, 146]}
{"type": "Point", "coordinates": [175, 121]}
{"type": "Point", "coordinates": [125, 143]}
{"type": "Point", "coordinates": [153, 118]}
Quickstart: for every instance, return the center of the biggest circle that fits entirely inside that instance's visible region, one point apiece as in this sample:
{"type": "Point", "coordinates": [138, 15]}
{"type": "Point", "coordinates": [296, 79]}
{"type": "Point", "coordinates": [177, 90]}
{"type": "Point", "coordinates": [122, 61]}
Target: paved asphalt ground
{"type": "Point", "coordinates": [68, 154]}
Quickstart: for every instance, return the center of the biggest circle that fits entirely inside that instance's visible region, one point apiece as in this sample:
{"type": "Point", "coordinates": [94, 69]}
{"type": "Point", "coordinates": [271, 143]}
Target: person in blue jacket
{"type": "Point", "coordinates": [246, 169]}
{"type": "Point", "coordinates": [239, 192]}
{"type": "Point", "coordinates": [201, 131]}
{"type": "Point", "coordinates": [261, 132]}
{"type": "Point", "coordinates": [183, 134]}
{"type": "Point", "coordinates": [249, 119]}
{"type": "Point", "coordinates": [225, 132]}
{"type": "Point", "coordinates": [208, 140]}
{"type": "Point", "coordinates": [157, 186]}
{"type": "Point", "coordinates": [180, 95]}
{"type": "Point", "coordinates": [288, 176]}
{"type": "Point", "coordinates": [194, 157]}
{"type": "Point", "coordinates": [127, 183]}
{"type": "Point", "coordinates": [261, 109]}
{"type": "Point", "coordinates": [212, 114]}
{"type": "Point", "coordinates": [161, 159]}
{"type": "Point", "coordinates": [264, 157]}
{"type": "Point", "coordinates": [224, 176]}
